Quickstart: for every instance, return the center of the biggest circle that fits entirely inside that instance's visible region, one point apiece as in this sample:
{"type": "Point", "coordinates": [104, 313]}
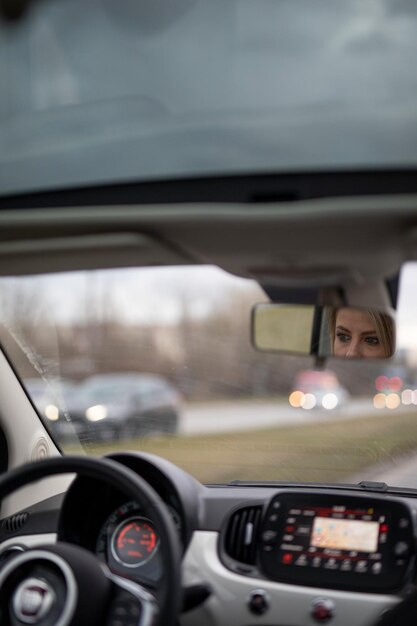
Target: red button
{"type": "Point", "coordinates": [322, 610]}
{"type": "Point", "coordinates": [320, 613]}
{"type": "Point", "coordinates": [287, 558]}
{"type": "Point", "coordinates": [383, 528]}
{"type": "Point", "coordinates": [290, 529]}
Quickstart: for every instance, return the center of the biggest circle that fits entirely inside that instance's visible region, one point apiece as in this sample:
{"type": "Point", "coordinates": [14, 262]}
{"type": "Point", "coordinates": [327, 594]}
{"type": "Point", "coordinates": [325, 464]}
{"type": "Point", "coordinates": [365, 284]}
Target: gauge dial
{"type": "Point", "coordinates": [135, 541]}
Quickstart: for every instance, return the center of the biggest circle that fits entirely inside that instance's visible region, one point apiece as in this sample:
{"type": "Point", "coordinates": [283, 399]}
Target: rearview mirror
{"type": "Point", "coordinates": [345, 332]}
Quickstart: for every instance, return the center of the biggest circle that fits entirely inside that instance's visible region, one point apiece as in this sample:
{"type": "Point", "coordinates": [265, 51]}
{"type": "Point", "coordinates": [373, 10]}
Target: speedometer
{"type": "Point", "coordinates": [134, 542]}
{"type": "Point", "coordinates": [128, 542]}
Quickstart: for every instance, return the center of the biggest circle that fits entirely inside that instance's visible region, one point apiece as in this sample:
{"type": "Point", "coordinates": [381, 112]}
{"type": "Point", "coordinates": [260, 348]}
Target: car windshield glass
{"type": "Point", "coordinates": [102, 394]}
{"type": "Point", "coordinates": [105, 92]}
{"type": "Point", "coordinates": [160, 360]}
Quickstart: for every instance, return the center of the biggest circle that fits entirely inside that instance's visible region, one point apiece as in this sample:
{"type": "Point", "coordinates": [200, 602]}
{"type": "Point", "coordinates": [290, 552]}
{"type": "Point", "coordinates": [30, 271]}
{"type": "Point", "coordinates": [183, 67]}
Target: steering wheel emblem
{"type": "Point", "coordinates": [33, 600]}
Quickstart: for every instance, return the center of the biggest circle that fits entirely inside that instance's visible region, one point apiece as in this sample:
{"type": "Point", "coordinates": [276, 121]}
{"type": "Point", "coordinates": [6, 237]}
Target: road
{"type": "Point", "coordinates": [220, 417]}
{"type": "Point", "coordinates": [397, 473]}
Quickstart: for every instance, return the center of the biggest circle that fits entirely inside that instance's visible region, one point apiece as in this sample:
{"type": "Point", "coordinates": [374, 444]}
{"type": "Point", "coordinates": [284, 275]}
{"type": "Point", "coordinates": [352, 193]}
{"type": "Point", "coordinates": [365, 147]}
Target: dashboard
{"type": "Point", "coordinates": [281, 555]}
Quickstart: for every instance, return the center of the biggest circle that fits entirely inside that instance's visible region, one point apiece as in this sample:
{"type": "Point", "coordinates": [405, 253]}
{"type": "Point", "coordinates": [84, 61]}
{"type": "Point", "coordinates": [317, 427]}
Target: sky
{"type": "Point", "coordinates": [136, 295]}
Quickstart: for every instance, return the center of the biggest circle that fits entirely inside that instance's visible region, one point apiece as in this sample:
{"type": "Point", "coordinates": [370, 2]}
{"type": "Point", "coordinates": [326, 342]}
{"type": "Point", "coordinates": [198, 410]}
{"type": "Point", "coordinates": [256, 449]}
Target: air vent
{"type": "Point", "coordinates": [14, 523]}
{"type": "Point", "coordinates": [241, 534]}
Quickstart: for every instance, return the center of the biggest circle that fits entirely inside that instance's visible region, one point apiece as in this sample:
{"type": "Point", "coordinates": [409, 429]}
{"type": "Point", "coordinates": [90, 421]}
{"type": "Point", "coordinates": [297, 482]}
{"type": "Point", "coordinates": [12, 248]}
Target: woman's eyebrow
{"type": "Point", "coordinates": [365, 332]}
{"type": "Point", "coordinates": [338, 327]}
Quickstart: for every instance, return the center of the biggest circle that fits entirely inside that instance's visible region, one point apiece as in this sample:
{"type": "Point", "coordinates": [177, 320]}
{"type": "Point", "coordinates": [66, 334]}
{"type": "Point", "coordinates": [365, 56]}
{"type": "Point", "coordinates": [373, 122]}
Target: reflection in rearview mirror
{"type": "Point", "coordinates": [344, 332]}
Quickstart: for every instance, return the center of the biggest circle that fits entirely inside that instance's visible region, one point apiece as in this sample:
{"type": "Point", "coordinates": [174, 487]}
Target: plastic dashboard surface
{"type": "Point", "coordinates": [224, 532]}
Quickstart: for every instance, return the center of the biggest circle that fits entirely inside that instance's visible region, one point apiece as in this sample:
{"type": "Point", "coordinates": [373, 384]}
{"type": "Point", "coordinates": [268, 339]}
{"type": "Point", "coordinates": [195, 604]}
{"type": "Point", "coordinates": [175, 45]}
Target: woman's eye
{"type": "Point", "coordinates": [343, 337]}
{"type": "Point", "coordinates": [372, 341]}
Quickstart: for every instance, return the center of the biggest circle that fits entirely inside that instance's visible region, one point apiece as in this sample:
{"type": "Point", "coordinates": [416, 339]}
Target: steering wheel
{"type": "Point", "coordinates": [65, 585]}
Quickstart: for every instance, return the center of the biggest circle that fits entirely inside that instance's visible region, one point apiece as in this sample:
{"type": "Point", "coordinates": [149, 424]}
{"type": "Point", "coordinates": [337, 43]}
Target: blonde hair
{"type": "Point", "coordinates": [383, 323]}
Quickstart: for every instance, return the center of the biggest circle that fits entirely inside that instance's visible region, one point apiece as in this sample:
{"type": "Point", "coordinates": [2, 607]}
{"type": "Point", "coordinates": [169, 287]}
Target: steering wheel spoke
{"type": "Point", "coordinates": [131, 604]}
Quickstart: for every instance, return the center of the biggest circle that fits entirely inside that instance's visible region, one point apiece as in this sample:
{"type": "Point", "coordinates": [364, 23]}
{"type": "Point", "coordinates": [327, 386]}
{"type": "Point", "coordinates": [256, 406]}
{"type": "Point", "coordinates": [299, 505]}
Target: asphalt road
{"type": "Point", "coordinates": [220, 417]}
{"type": "Point", "coordinates": [397, 473]}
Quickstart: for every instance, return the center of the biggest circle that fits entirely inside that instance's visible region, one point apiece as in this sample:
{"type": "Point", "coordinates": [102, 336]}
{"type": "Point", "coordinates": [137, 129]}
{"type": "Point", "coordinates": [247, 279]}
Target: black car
{"type": "Point", "coordinates": [124, 405]}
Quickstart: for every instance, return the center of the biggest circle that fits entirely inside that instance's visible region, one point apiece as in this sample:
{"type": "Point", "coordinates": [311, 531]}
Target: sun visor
{"type": "Point", "coordinates": [85, 252]}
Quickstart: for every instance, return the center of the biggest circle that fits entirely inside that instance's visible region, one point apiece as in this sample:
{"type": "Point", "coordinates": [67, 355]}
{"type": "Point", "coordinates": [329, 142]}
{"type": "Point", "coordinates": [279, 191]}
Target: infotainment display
{"type": "Point", "coordinates": [345, 534]}
{"type": "Point", "coordinates": [343, 542]}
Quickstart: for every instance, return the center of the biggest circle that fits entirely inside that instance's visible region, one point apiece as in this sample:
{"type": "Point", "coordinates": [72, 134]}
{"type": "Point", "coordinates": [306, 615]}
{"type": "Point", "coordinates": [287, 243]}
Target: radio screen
{"type": "Point", "coordinates": [345, 534]}
{"type": "Point", "coordinates": [336, 538]}
{"type": "Point", "coordinates": [336, 541]}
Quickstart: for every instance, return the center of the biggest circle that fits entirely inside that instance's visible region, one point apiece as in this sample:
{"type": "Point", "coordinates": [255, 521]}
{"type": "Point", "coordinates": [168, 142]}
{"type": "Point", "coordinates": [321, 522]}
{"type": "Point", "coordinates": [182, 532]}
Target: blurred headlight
{"type": "Point", "coordinates": [52, 412]}
{"type": "Point", "coordinates": [296, 398]}
{"type": "Point", "coordinates": [379, 401]}
{"type": "Point", "coordinates": [407, 397]}
{"type": "Point", "coordinates": [393, 401]}
{"type": "Point", "coordinates": [330, 401]}
{"type": "Point", "coordinates": [309, 401]}
{"type": "Point", "coordinates": [96, 413]}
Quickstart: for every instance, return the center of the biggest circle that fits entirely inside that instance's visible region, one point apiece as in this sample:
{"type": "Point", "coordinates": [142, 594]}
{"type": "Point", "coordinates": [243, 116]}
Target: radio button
{"type": "Point", "coordinates": [346, 566]}
{"type": "Point", "coordinates": [331, 564]}
{"type": "Point", "coordinates": [269, 536]}
{"type": "Point", "coordinates": [403, 523]}
{"type": "Point", "coordinates": [316, 562]}
{"type": "Point", "coordinates": [376, 568]}
{"type": "Point", "coordinates": [287, 558]}
{"type": "Point", "coordinates": [361, 567]}
{"type": "Point", "coordinates": [401, 548]}
{"type": "Point", "coordinates": [302, 560]}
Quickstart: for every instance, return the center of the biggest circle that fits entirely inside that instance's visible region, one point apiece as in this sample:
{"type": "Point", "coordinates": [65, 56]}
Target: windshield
{"type": "Point", "coordinates": [104, 92]}
{"type": "Point", "coordinates": [161, 360]}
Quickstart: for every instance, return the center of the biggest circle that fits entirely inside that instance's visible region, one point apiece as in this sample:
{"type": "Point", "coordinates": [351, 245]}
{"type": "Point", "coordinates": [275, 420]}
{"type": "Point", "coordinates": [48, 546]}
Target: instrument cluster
{"type": "Point", "coordinates": [128, 542]}
{"type": "Point", "coordinates": [118, 529]}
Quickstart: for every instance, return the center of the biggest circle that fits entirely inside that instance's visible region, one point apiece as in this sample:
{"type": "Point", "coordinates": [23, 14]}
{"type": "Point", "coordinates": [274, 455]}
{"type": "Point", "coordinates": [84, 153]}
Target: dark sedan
{"type": "Point", "coordinates": [124, 405]}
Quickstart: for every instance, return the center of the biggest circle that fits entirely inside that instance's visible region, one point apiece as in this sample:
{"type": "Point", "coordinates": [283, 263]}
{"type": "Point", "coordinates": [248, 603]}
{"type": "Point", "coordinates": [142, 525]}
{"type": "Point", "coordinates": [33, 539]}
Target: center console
{"type": "Point", "coordinates": [334, 541]}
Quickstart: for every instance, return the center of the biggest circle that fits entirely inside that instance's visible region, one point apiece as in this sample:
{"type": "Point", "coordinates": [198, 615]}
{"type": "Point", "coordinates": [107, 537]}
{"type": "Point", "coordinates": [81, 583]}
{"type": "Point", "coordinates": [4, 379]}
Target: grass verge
{"type": "Point", "coordinates": [330, 451]}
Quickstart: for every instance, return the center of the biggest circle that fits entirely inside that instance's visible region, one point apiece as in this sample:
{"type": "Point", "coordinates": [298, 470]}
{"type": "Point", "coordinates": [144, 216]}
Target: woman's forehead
{"type": "Point", "coordinates": [354, 319]}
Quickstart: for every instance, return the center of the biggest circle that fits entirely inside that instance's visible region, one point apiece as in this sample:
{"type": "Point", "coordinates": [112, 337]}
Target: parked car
{"type": "Point", "coordinates": [124, 405]}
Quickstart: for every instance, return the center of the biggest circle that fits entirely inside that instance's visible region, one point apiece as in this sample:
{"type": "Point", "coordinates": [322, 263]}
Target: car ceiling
{"type": "Point", "coordinates": [347, 241]}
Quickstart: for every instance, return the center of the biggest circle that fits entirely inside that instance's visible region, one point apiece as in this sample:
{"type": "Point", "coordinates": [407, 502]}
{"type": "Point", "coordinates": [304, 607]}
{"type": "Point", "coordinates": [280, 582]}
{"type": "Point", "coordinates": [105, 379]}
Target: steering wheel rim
{"type": "Point", "coordinates": [136, 488]}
